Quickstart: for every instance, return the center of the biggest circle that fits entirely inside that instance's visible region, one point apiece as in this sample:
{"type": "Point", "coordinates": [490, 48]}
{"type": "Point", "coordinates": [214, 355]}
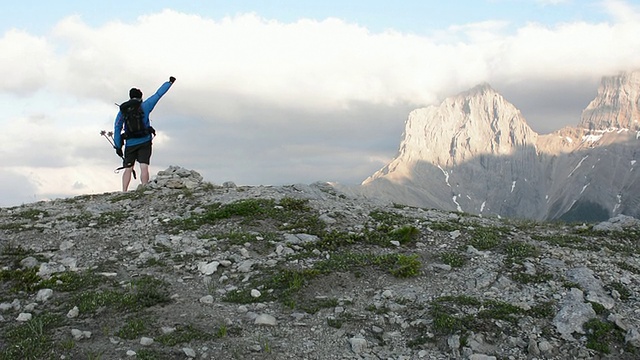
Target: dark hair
{"type": "Point", "coordinates": [135, 93]}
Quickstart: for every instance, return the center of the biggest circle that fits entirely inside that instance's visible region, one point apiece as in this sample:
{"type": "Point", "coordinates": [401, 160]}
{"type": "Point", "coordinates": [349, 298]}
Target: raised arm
{"type": "Point", "coordinates": [152, 100]}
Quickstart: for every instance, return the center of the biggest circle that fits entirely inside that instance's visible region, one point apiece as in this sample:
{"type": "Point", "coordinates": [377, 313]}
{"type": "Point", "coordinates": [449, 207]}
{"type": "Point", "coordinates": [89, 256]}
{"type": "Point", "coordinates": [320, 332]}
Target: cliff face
{"type": "Point", "coordinates": [616, 105]}
{"type": "Point", "coordinates": [478, 122]}
{"type": "Point", "coordinates": [475, 153]}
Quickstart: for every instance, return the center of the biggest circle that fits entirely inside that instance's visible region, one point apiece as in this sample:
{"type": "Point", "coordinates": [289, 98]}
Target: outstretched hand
{"type": "Point", "coordinates": [172, 79]}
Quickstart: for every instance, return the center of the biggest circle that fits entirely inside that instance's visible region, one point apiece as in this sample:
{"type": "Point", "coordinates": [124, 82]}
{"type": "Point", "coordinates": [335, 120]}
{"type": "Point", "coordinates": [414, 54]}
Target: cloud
{"type": "Point", "coordinates": [263, 101]}
{"type": "Point", "coordinates": [622, 12]}
{"type": "Point", "coordinates": [313, 64]}
{"type": "Point", "coordinates": [26, 60]}
{"type": "Point", "coordinates": [22, 189]}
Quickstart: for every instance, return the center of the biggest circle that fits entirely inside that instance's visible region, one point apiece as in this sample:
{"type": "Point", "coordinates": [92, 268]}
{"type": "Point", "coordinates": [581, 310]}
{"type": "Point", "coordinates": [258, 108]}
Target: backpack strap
{"type": "Point", "coordinates": [129, 103]}
{"type": "Point", "coordinates": [133, 171]}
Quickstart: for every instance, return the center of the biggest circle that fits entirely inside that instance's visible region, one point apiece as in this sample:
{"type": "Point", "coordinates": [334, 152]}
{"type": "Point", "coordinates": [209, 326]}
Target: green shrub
{"type": "Point", "coordinates": [405, 234]}
{"type": "Point", "coordinates": [520, 250]}
{"type": "Point", "coordinates": [624, 292]}
{"type": "Point", "coordinates": [405, 266]}
{"type": "Point", "coordinates": [133, 329]}
{"type": "Point", "coordinates": [453, 259]}
{"type": "Point", "coordinates": [31, 340]}
{"type": "Point", "coordinates": [185, 334]}
{"type": "Point", "coordinates": [601, 335]}
{"type": "Point", "coordinates": [485, 238]}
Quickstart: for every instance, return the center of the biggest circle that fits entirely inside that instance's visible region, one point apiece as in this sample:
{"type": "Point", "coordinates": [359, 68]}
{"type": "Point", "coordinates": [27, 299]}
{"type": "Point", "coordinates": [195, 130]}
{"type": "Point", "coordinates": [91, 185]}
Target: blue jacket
{"type": "Point", "coordinates": [147, 107]}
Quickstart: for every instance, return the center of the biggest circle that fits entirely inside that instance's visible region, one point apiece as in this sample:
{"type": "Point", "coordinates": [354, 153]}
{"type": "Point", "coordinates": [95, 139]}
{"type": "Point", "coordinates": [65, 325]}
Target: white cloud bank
{"type": "Point", "coordinates": [259, 101]}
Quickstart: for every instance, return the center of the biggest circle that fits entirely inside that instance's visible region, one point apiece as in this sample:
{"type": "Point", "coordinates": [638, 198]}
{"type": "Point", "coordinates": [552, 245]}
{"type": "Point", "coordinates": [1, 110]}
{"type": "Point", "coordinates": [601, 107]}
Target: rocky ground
{"type": "Point", "coordinates": [187, 269]}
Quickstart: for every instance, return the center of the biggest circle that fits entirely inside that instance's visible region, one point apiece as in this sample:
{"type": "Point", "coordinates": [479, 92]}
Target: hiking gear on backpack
{"type": "Point", "coordinates": [133, 114]}
{"type": "Point", "coordinates": [109, 137]}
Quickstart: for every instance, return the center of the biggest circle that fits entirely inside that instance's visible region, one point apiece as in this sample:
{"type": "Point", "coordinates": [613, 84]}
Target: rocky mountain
{"type": "Point", "coordinates": [185, 269]}
{"type": "Point", "coordinates": [475, 153]}
{"type": "Point", "coordinates": [616, 105]}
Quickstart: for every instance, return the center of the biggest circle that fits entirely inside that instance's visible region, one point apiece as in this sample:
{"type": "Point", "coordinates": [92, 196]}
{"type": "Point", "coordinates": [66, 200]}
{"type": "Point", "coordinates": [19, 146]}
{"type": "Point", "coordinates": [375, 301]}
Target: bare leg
{"type": "Point", "coordinates": [126, 178]}
{"type": "Point", "coordinates": [144, 173]}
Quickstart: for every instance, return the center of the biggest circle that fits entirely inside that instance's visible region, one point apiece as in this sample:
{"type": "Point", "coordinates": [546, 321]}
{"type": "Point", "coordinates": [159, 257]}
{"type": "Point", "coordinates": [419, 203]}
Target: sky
{"type": "Point", "coordinates": [280, 92]}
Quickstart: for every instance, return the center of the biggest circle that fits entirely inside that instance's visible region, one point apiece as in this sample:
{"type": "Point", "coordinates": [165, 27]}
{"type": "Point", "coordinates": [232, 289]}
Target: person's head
{"type": "Point", "coordinates": [135, 93]}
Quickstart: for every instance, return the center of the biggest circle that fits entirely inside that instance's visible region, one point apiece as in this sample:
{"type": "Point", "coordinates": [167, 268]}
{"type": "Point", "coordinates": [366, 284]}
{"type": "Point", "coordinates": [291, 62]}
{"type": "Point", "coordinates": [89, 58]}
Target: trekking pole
{"type": "Point", "coordinates": [109, 137]}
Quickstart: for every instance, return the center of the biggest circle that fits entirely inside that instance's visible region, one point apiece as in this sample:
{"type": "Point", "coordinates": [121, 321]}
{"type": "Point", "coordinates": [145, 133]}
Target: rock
{"type": "Point", "coordinates": [265, 319]}
{"type": "Point", "coordinates": [189, 352]}
{"type": "Point", "coordinates": [66, 245]}
{"type": "Point", "coordinates": [15, 305]}
{"type": "Point", "coordinates": [593, 287]}
{"type": "Point", "coordinates": [532, 348]}
{"type": "Point", "coordinates": [79, 334]}
{"type": "Point", "coordinates": [632, 337]}
{"type": "Point", "coordinates": [443, 267]}
{"type": "Point", "coordinates": [358, 345]}
{"type": "Point", "coordinates": [545, 346]}
{"type": "Point", "coordinates": [46, 269]}
{"type": "Point", "coordinates": [208, 268]}
{"type": "Point", "coordinates": [73, 313]}
{"type": "Point", "coordinates": [145, 341]}
{"type": "Point", "coordinates": [481, 357]}
{"type": "Point", "coordinates": [207, 299]}
{"type": "Point", "coordinates": [29, 262]}
{"type": "Point", "coordinates": [175, 177]}
{"type": "Point", "coordinates": [44, 295]}
{"type": "Point", "coordinates": [387, 294]}
{"type": "Point", "coordinates": [574, 312]}
{"type": "Point", "coordinates": [454, 342]}
{"type": "Point", "coordinates": [617, 223]}
{"type": "Point", "coordinates": [167, 330]}
{"type": "Point", "coordinates": [298, 239]}
{"type": "Point", "coordinates": [69, 263]}
{"type": "Point", "coordinates": [245, 266]}
{"type": "Point", "coordinates": [24, 317]}
{"type": "Point", "coordinates": [619, 321]}
{"type": "Point", "coordinates": [327, 219]}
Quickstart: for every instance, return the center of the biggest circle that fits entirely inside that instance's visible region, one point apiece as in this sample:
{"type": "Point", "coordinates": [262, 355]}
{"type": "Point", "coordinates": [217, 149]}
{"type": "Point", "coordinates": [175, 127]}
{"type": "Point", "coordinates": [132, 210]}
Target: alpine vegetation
{"type": "Point", "coordinates": [182, 268]}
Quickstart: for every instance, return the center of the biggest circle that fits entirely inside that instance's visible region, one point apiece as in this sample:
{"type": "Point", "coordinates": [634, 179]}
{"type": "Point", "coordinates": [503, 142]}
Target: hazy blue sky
{"type": "Point", "coordinates": [280, 92]}
{"type": "Point", "coordinates": [419, 17]}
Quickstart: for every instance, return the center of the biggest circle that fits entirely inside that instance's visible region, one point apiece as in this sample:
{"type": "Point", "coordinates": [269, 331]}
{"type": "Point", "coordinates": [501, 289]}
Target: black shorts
{"type": "Point", "coordinates": [140, 153]}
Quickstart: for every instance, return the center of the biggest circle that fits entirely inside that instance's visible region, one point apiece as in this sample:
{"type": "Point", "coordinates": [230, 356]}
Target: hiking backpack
{"type": "Point", "coordinates": [133, 114]}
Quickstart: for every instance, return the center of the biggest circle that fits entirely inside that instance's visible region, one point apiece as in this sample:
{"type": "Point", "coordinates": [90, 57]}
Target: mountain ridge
{"type": "Point", "coordinates": [475, 152]}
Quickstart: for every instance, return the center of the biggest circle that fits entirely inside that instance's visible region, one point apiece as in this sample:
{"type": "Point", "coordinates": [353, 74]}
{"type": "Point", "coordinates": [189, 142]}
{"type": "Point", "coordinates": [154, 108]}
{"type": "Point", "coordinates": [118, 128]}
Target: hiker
{"type": "Point", "coordinates": [133, 130]}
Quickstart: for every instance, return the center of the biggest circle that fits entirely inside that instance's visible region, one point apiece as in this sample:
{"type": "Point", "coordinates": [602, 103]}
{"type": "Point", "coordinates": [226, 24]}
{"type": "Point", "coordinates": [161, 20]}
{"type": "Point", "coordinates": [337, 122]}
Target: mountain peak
{"type": "Point", "coordinates": [616, 105]}
{"type": "Point", "coordinates": [480, 89]}
{"type": "Point", "coordinates": [473, 123]}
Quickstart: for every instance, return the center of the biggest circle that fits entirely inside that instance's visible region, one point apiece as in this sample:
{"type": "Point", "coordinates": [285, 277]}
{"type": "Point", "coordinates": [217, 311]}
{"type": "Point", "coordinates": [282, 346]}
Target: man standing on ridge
{"type": "Point", "coordinates": [133, 130]}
